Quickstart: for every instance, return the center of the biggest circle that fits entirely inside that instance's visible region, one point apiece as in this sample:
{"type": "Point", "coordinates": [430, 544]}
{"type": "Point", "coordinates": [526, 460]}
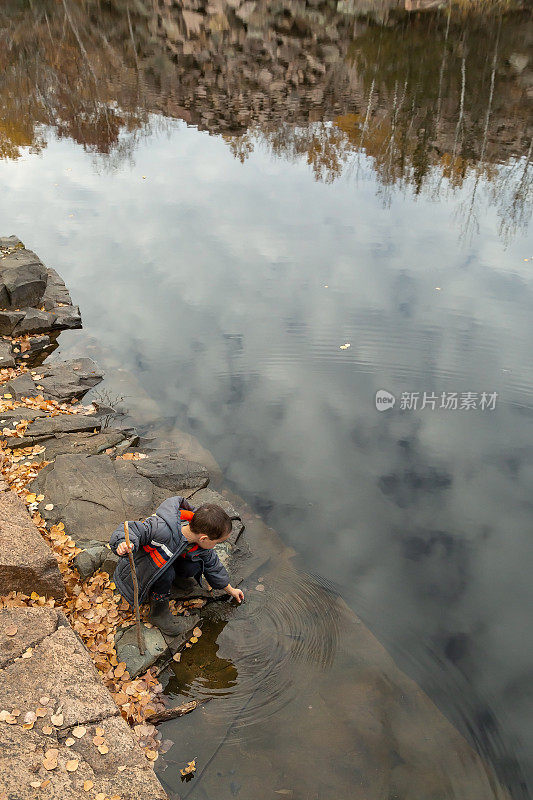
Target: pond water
{"type": "Point", "coordinates": [269, 213]}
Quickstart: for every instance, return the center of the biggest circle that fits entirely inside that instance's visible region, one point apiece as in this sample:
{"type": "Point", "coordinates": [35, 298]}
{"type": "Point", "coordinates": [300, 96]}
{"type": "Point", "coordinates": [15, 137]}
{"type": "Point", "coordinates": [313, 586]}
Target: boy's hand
{"type": "Point", "coordinates": [237, 594]}
{"type": "Point", "coordinates": [123, 549]}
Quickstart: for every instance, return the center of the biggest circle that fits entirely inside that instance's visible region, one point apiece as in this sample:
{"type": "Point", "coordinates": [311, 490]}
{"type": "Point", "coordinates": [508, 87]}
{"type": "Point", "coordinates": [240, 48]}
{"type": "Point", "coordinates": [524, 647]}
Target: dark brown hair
{"type": "Point", "coordinates": [210, 520]}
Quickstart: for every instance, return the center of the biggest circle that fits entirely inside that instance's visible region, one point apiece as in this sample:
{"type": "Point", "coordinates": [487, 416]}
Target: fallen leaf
{"type": "Point", "coordinates": [197, 632]}
{"type": "Point", "coordinates": [35, 784]}
{"type": "Point", "coordinates": [88, 785]}
{"type": "Point", "coordinates": [259, 588]}
{"type": "Point", "coordinates": [72, 766]}
{"type": "Point", "coordinates": [56, 719]}
{"type": "Point", "coordinates": [30, 716]}
{"type": "Point", "coordinates": [47, 730]}
{"type": "Point", "coordinates": [30, 498]}
{"type": "Point", "coordinates": [100, 731]}
{"type": "Point", "coordinates": [122, 767]}
{"type": "Point", "coordinates": [11, 630]}
{"type": "Point", "coordinates": [99, 796]}
{"type": "Point", "coordinates": [98, 740]}
{"type": "Point", "coordinates": [41, 712]}
{"type": "Point", "coordinates": [103, 749]}
{"type": "Point", "coordinates": [151, 755]}
{"type": "Point", "coordinates": [49, 507]}
{"type": "Point", "coordinates": [44, 700]}
{"type": "Point", "coordinates": [189, 769]}
{"type": "Point", "coordinates": [70, 741]}
{"type": "Point", "coordinates": [120, 670]}
{"type": "Point", "coordinates": [79, 731]}
{"type": "Point", "coordinates": [8, 396]}
{"type": "Point", "coordinates": [177, 657]}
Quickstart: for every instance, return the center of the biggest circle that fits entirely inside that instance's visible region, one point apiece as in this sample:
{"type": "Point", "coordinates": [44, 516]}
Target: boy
{"type": "Point", "coordinates": [164, 547]}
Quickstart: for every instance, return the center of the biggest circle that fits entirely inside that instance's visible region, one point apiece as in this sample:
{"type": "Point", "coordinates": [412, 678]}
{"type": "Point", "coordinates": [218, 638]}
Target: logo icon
{"type": "Point", "coordinates": [384, 400]}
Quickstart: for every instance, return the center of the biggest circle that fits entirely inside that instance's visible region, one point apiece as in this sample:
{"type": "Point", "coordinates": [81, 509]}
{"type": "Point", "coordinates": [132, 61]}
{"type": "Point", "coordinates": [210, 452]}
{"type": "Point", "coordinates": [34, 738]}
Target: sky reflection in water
{"type": "Point", "coordinates": [227, 289]}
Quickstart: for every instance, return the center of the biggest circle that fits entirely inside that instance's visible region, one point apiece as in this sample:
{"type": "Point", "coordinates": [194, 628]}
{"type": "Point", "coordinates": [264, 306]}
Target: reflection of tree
{"type": "Point", "coordinates": [429, 102]}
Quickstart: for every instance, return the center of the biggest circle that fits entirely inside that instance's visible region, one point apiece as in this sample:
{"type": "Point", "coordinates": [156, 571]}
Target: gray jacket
{"type": "Point", "coordinates": [157, 543]}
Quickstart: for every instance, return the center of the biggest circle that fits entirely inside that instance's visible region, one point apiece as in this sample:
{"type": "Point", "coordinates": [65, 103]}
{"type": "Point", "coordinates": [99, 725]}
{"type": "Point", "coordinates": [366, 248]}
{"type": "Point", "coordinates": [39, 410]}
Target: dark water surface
{"type": "Point", "coordinates": [234, 193]}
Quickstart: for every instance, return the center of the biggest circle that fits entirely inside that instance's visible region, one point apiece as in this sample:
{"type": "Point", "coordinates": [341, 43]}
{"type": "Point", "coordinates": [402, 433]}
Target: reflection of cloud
{"type": "Point", "coordinates": [173, 271]}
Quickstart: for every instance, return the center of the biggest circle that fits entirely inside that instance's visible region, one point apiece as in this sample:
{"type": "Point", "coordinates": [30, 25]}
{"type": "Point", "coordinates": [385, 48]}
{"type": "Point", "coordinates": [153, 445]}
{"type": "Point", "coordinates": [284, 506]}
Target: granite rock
{"type": "Point", "coordinates": [27, 564]}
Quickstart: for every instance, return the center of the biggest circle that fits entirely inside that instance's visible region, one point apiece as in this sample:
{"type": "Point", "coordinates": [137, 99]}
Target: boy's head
{"type": "Point", "coordinates": [210, 525]}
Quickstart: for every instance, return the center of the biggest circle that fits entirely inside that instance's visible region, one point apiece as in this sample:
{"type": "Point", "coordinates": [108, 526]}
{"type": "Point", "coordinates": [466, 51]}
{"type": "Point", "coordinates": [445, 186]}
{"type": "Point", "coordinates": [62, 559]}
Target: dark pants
{"type": "Point", "coordinates": [181, 568]}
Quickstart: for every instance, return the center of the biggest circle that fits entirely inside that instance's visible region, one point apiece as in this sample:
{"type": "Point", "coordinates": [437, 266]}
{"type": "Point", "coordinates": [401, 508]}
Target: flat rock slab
{"type": "Point", "coordinates": [94, 494]}
{"type": "Point", "coordinates": [79, 443]}
{"type": "Point", "coordinates": [61, 669]}
{"type": "Point", "coordinates": [61, 380]}
{"type": "Point", "coordinates": [172, 472]}
{"type": "Point", "coordinates": [34, 321]}
{"type": "Point", "coordinates": [32, 624]}
{"type": "Point", "coordinates": [26, 562]}
{"type": "Point", "coordinates": [21, 762]}
{"type": "Point", "coordinates": [128, 650]}
{"type": "Point", "coordinates": [44, 427]}
{"type": "Point", "coordinates": [8, 419]}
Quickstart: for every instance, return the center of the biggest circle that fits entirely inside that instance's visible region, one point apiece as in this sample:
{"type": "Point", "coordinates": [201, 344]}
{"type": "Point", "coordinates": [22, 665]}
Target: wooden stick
{"type": "Point", "coordinates": [176, 711]}
{"type": "Point", "coordinates": [140, 632]}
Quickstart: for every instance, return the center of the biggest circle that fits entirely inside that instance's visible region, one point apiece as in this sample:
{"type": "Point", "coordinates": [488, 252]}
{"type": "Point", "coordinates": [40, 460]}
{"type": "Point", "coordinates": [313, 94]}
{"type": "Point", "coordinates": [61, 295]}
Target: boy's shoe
{"type": "Point", "coordinates": [162, 617]}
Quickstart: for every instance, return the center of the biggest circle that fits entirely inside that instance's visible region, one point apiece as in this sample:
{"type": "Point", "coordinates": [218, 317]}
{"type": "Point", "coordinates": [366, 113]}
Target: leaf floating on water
{"type": "Point", "coordinates": [259, 588]}
{"type": "Point", "coordinates": [190, 769]}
